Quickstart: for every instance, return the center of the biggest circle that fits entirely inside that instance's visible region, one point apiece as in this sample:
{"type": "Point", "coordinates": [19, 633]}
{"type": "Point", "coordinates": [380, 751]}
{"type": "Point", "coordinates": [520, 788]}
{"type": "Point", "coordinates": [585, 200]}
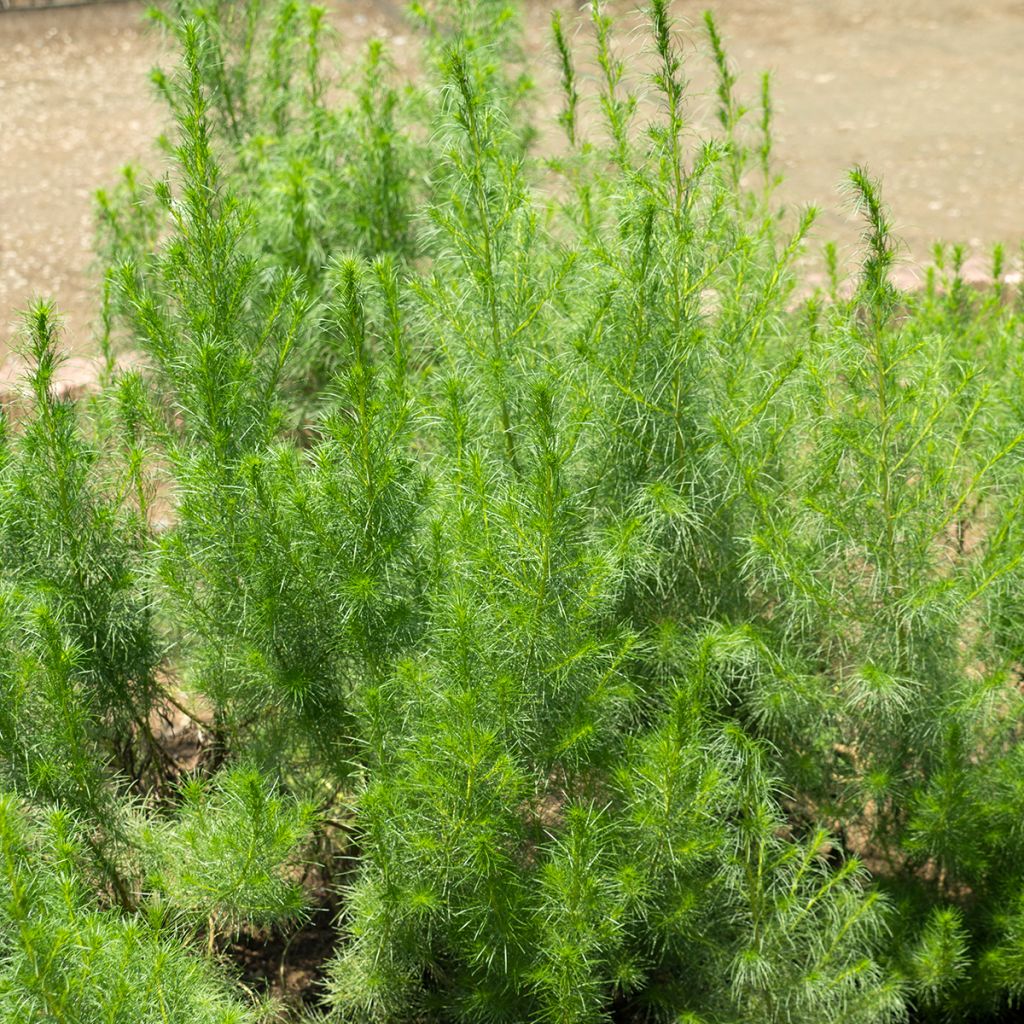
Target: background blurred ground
{"type": "Point", "coordinates": [928, 93]}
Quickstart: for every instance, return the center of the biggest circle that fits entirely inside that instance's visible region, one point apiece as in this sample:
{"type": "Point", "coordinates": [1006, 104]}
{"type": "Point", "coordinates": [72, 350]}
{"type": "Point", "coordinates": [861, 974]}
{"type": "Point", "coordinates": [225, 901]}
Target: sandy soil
{"type": "Point", "coordinates": [928, 93]}
{"type": "Point", "coordinates": [74, 107]}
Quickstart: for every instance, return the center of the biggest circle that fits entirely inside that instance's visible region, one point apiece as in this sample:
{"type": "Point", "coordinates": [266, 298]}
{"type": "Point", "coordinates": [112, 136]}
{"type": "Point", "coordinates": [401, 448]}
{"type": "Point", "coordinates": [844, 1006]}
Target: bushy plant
{"type": "Point", "coordinates": [608, 628]}
{"type": "Point", "coordinates": [66, 959]}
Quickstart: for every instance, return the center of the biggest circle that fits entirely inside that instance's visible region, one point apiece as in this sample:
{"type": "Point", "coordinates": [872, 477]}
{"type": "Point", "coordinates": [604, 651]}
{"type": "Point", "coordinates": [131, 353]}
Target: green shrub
{"type": "Point", "coordinates": [609, 628]}
{"type": "Point", "coordinates": [66, 959]}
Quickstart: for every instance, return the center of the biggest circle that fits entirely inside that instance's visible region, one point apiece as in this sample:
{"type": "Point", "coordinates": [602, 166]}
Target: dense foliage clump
{"type": "Point", "coordinates": [494, 547]}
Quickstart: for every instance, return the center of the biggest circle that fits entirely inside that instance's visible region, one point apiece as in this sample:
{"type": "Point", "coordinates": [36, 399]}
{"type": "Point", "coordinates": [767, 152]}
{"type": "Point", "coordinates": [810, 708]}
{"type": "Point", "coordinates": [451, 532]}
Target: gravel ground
{"type": "Point", "coordinates": [928, 93]}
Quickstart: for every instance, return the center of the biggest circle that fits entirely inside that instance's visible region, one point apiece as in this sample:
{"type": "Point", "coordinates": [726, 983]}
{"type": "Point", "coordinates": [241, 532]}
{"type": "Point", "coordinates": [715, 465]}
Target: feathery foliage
{"type": "Point", "coordinates": [506, 551]}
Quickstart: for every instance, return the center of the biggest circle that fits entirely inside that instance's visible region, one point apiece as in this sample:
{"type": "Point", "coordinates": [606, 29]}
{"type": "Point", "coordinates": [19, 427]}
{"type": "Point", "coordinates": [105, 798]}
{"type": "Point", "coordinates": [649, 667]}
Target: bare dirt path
{"type": "Point", "coordinates": [928, 93]}
{"type": "Point", "coordinates": [74, 107]}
